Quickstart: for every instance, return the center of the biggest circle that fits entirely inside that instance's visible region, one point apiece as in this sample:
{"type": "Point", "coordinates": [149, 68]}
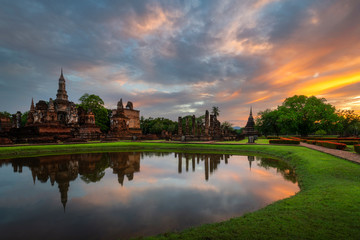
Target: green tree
{"type": "Point", "coordinates": [96, 105]}
{"type": "Point", "coordinates": [227, 126]}
{"type": "Point", "coordinates": [268, 123]}
{"type": "Point", "coordinates": [305, 115]}
{"type": "Point", "coordinates": [215, 111]}
{"type": "Point", "coordinates": [157, 125]}
{"type": "Point", "coordinates": [5, 114]}
{"type": "Point", "coordinates": [24, 117]}
{"type": "Point", "coordinates": [349, 122]}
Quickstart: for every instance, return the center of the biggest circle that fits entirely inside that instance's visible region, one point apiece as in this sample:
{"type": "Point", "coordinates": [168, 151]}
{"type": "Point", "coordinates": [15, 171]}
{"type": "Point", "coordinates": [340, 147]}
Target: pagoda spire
{"type": "Point", "coordinates": [61, 93]}
{"type": "Point", "coordinates": [250, 110]}
{"type": "Point", "coordinates": [32, 107]}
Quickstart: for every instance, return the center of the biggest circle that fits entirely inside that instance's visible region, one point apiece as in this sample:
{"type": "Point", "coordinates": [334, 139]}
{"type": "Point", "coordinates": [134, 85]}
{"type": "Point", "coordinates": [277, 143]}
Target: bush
{"type": "Point", "coordinates": [349, 142]}
{"type": "Point", "coordinates": [357, 148]}
{"type": "Point", "coordinates": [332, 145]}
{"type": "Point", "coordinates": [272, 137]}
{"type": "Point", "coordinates": [284, 141]}
{"type": "Point", "coordinates": [311, 141]}
{"type": "Point", "coordinates": [320, 132]}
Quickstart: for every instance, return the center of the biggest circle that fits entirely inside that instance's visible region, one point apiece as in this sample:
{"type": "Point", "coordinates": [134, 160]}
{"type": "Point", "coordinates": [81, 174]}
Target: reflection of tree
{"type": "Point", "coordinates": [96, 174]}
{"type": "Point", "coordinates": [281, 166]}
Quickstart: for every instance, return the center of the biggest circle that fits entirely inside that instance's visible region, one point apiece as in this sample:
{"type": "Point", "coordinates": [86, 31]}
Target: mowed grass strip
{"type": "Point", "coordinates": [327, 207]}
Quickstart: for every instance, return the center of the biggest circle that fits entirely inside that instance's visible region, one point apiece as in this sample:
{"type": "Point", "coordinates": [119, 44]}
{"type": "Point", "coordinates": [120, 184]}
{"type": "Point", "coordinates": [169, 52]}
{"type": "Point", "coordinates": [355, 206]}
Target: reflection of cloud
{"type": "Point", "coordinates": [158, 199]}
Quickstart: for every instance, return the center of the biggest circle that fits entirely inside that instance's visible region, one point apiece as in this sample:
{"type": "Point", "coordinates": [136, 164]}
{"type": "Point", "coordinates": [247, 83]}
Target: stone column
{"type": "Point", "coordinates": [18, 119]}
{"type": "Point", "coordinates": [193, 125]}
{"type": "Point", "coordinates": [187, 126]}
{"type": "Point", "coordinates": [180, 126]}
{"type": "Point", "coordinates": [211, 130]}
{"type": "Point", "coordinates": [207, 123]}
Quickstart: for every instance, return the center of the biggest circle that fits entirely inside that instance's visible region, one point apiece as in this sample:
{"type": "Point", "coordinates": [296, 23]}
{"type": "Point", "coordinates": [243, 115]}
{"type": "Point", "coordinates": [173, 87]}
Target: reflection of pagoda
{"type": "Point", "coordinates": [211, 161]}
{"type": "Point", "coordinates": [125, 164]}
{"type": "Point", "coordinates": [251, 159]}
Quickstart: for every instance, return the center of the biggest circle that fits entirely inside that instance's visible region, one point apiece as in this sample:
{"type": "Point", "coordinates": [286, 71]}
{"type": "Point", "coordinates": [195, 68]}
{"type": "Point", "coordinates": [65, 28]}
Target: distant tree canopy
{"type": "Point", "coordinates": [349, 122]}
{"type": "Point", "coordinates": [96, 105]}
{"type": "Point", "coordinates": [5, 114]}
{"type": "Point", "coordinates": [227, 126]}
{"type": "Point", "coordinates": [24, 117]}
{"type": "Point", "coordinates": [298, 115]}
{"type": "Point", "coordinates": [215, 111]}
{"type": "Point", "coordinates": [156, 125]}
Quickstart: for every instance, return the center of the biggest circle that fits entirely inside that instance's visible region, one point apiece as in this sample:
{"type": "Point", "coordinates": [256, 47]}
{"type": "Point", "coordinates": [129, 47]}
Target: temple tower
{"type": "Point", "coordinates": [207, 123]}
{"type": "Point", "coordinates": [180, 126]}
{"type": "Point", "coordinates": [61, 93]}
{"type": "Point", "coordinates": [249, 129]}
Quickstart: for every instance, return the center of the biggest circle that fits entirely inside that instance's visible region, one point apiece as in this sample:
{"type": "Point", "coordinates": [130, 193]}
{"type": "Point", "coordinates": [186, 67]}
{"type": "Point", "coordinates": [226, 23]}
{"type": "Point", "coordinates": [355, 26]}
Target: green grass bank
{"type": "Point", "coordinates": [327, 207]}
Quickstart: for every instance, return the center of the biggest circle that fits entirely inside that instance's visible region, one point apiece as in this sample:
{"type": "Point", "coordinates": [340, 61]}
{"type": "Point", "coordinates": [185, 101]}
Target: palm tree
{"type": "Point", "coordinates": [215, 111]}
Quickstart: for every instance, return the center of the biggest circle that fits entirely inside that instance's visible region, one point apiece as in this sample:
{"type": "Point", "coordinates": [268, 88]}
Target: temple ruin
{"type": "Point", "coordinates": [202, 129]}
{"type": "Point", "coordinates": [61, 120]}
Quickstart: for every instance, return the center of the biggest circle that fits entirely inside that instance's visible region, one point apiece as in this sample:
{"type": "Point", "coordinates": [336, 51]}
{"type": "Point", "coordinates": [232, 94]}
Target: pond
{"type": "Point", "coordinates": [119, 195]}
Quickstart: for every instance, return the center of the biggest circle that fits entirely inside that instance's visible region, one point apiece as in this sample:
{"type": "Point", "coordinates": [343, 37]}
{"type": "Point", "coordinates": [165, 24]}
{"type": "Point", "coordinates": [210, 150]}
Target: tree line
{"type": "Point", "coordinates": [302, 115]}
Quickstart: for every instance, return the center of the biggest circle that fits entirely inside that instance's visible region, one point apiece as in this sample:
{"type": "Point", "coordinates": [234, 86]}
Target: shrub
{"type": "Point", "coordinates": [311, 141]}
{"type": "Point", "coordinates": [320, 132]}
{"type": "Point", "coordinates": [357, 148]}
{"type": "Point", "coordinates": [332, 145]}
{"type": "Point", "coordinates": [349, 142]}
{"type": "Point", "coordinates": [295, 138]}
{"type": "Point", "coordinates": [272, 137]}
{"type": "Point", "coordinates": [284, 141]}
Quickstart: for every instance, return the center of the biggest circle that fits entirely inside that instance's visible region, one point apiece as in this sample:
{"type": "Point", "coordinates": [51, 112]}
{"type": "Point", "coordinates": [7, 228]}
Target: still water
{"type": "Point", "coordinates": [128, 194]}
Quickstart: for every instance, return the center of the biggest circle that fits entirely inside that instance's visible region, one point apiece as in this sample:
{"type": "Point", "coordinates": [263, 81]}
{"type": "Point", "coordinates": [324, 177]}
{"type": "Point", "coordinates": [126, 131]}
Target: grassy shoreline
{"type": "Point", "coordinates": [327, 207]}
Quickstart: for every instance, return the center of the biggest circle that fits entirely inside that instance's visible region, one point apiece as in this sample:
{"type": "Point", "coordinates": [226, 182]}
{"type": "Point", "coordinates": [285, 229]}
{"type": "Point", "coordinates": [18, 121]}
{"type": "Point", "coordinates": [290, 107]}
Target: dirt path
{"type": "Point", "coordinates": [353, 157]}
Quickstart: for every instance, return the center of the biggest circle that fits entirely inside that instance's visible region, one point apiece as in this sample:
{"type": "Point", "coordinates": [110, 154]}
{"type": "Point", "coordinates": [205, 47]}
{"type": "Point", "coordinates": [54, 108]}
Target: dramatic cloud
{"type": "Point", "coordinates": [175, 58]}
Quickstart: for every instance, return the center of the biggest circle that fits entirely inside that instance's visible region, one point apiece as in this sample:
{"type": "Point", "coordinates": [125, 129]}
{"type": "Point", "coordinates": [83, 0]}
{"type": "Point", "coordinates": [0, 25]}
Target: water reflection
{"type": "Point", "coordinates": [180, 189]}
{"type": "Point", "coordinates": [91, 167]}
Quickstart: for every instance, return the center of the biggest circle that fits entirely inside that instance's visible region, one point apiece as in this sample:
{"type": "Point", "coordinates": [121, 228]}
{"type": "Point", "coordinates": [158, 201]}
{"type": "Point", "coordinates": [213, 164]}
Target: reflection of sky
{"type": "Point", "coordinates": [158, 199]}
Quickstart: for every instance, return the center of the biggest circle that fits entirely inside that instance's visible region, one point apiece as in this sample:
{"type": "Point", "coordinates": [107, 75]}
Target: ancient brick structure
{"type": "Point", "coordinates": [61, 120]}
{"type": "Point", "coordinates": [208, 129]}
{"type": "Point", "coordinates": [124, 122]}
{"type": "Point", "coordinates": [5, 123]}
{"type": "Point", "coordinates": [249, 129]}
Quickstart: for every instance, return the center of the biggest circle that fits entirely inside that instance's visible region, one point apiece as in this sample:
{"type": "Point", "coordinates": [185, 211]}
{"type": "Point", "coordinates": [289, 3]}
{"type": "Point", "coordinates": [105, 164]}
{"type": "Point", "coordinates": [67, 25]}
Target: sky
{"type": "Point", "coordinates": [175, 58]}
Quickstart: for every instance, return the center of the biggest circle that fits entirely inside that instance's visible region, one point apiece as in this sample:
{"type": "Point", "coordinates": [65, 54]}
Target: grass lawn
{"type": "Point", "coordinates": [259, 141]}
{"type": "Point", "coordinates": [327, 207]}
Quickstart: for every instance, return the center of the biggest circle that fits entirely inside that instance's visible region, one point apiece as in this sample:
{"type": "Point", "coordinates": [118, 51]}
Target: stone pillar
{"type": "Point", "coordinates": [199, 133]}
{"type": "Point", "coordinates": [18, 119]}
{"type": "Point", "coordinates": [207, 123]}
{"type": "Point", "coordinates": [211, 130]}
{"type": "Point", "coordinates": [193, 125]}
{"type": "Point", "coordinates": [187, 126]}
{"type": "Point", "coordinates": [180, 126]}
